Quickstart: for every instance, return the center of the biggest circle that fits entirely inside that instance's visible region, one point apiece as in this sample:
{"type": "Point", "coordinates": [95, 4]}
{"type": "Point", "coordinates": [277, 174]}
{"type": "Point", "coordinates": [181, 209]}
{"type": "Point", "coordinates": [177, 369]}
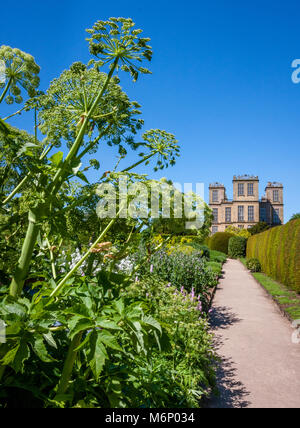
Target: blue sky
{"type": "Point", "coordinates": [221, 79]}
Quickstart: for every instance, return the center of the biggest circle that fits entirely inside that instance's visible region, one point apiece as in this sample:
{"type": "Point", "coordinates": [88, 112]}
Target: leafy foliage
{"type": "Point", "coordinates": [244, 233]}
{"type": "Point", "coordinates": [277, 250]}
{"type": "Point", "coordinates": [237, 247]}
{"type": "Point", "coordinates": [295, 217]}
{"type": "Point", "coordinates": [259, 227]}
{"type": "Point", "coordinates": [187, 364]}
{"type": "Point", "coordinates": [79, 333]}
{"type": "Point", "coordinates": [253, 265]}
{"type": "Point", "coordinates": [219, 241]}
{"type": "Point", "coordinates": [182, 270]}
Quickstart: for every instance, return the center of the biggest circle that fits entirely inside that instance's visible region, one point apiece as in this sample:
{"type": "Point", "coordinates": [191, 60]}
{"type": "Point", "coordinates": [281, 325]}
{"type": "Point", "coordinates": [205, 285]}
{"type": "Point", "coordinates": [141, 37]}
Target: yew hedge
{"type": "Point", "coordinates": [278, 251]}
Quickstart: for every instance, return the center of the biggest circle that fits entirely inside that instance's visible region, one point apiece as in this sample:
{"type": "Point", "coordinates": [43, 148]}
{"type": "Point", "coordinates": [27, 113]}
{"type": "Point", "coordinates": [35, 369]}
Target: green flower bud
{"type": "Point", "coordinates": [18, 99]}
{"type": "Point", "coordinates": [9, 99]}
{"type": "Point", "coordinates": [15, 90]}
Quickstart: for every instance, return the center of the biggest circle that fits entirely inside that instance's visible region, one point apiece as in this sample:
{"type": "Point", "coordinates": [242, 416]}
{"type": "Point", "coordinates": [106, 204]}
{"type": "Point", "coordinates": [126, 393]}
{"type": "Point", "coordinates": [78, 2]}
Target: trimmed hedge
{"type": "Point", "coordinates": [219, 241]}
{"type": "Point", "coordinates": [278, 251]}
{"type": "Point", "coordinates": [237, 247]}
{"type": "Point", "coordinates": [253, 265]}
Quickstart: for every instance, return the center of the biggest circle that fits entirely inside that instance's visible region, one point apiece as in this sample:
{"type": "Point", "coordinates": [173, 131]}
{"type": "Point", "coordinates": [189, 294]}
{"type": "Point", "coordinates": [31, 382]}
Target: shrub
{"type": "Point", "coordinates": [258, 228]}
{"type": "Point", "coordinates": [278, 251]}
{"type": "Point", "coordinates": [185, 371]}
{"type": "Point", "coordinates": [237, 247]}
{"type": "Point", "coordinates": [205, 251]}
{"type": "Point", "coordinates": [219, 241]}
{"type": "Point", "coordinates": [217, 256]}
{"type": "Point", "coordinates": [253, 265]}
{"type": "Point", "coordinates": [238, 232]}
{"type": "Point", "coordinates": [181, 270]}
{"type": "Point", "coordinates": [207, 241]}
{"type": "Point", "coordinates": [215, 267]}
{"type": "Point", "coordinates": [295, 217]}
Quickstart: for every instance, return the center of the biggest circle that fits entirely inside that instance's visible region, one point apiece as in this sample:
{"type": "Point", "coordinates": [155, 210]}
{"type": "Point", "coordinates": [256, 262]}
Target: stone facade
{"type": "Point", "coordinates": [246, 208]}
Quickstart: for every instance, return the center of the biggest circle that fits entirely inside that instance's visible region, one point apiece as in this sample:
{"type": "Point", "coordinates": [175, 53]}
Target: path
{"type": "Point", "coordinates": [260, 365]}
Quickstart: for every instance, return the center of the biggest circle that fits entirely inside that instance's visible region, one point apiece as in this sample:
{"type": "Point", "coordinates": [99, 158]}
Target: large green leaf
{"type": "Point", "coordinates": [148, 320]}
{"type": "Point", "coordinates": [50, 340]}
{"type": "Point", "coordinates": [80, 325]}
{"type": "Point", "coordinates": [56, 158]}
{"type": "Point", "coordinates": [107, 324]}
{"type": "Point", "coordinates": [41, 350]}
{"type": "Point", "coordinates": [96, 354]}
{"type": "Point", "coordinates": [108, 340]}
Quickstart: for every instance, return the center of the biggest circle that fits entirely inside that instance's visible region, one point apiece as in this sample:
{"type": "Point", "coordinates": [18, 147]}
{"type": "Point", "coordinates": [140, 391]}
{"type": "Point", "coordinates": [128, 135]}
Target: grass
{"type": "Point", "coordinates": [243, 260]}
{"type": "Point", "coordinates": [288, 300]}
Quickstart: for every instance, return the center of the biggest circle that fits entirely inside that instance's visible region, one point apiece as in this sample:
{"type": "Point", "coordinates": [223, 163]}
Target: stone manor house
{"type": "Point", "coordinates": [245, 209]}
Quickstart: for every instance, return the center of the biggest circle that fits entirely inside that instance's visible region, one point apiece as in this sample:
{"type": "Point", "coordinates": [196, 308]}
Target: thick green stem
{"type": "Point", "coordinates": [124, 249]}
{"type": "Point", "coordinates": [5, 90]}
{"type": "Point", "coordinates": [83, 258]}
{"type": "Point", "coordinates": [32, 231]}
{"type": "Point", "coordinates": [26, 255]}
{"type": "Point", "coordinates": [3, 350]}
{"type": "Point", "coordinates": [77, 143]}
{"type": "Point", "coordinates": [139, 162]}
{"type": "Point", "coordinates": [14, 114]}
{"type": "Point", "coordinates": [69, 364]}
{"type": "Point", "coordinates": [52, 260]}
{"type": "Point", "coordinates": [2, 370]}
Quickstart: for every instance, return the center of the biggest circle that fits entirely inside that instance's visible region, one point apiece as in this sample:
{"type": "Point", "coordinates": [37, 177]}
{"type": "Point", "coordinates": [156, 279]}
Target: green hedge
{"type": "Point", "coordinates": [237, 247]}
{"type": "Point", "coordinates": [219, 241]}
{"type": "Point", "coordinates": [278, 251]}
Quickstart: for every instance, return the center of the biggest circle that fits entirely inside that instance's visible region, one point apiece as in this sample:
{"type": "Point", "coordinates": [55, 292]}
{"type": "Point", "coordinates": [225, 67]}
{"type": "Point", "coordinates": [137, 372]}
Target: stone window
{"type": "Point", "coordinates": [214, 229]}
{"type": "Point", "coordinates": [250, 189]}
{"type": "Point", "coordinates": [228, 214]}
{"type": "Point", "coordinates": [240, 226]}
{"type": "Point", "coordinates": [275, 196]}
{"type": "Point", "coordinates": [263, 214]}
{"type": "Point", "coordinates": [251, 213]}
{"type": "Point", "coordinates": [215, 196]}
{"type": "Point", "coordinates": [215, 214]}
{"type": "Point", "coordinates": [240, 213]}
{"type": "Point", "coordinates": [241, 189]}
{"type": "Point", "coordinates": [276, 216]}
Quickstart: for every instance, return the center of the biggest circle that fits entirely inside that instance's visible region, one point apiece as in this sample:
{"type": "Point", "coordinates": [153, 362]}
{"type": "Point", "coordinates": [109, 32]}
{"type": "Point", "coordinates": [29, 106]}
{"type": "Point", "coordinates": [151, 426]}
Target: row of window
{"type": "Point", "coordinates": [241, 216]}
{"type": "Point", "coordinates": [241, 189]}
{"type": "Point", "coordinates": [276, 215]}
{"type": "Point", "coordinates": [241, 192]}
{"type": "Point", "coordinates": [263, 216]}
{"type": "Point", "coordinates": [215, 228]}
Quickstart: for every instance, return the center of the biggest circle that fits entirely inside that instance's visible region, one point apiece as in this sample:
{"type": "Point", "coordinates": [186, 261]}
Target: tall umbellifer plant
{"type": "Point", "coordinates": [112, 42]}
{"type": "Point", "coordinates": [82, 107]}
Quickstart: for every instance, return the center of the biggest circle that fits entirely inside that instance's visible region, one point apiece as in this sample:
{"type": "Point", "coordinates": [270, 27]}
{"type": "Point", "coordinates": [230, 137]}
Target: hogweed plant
{"type": "Point", "coordinates": [67, 320]}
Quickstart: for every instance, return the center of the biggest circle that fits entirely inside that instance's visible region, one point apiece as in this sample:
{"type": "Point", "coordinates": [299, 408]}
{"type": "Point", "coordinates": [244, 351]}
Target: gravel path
{"type": "Point", "coordinates": [260, 365]}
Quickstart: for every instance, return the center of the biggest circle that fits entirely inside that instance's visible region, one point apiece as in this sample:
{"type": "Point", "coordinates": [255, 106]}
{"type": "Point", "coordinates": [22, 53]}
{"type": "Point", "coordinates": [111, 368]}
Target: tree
{"type": "Point", "coordinates": [259, 227]}
{"type": "Point", "coordinates": [295, 217]}
{"type": "Point", "coordinates": [244, 233]}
